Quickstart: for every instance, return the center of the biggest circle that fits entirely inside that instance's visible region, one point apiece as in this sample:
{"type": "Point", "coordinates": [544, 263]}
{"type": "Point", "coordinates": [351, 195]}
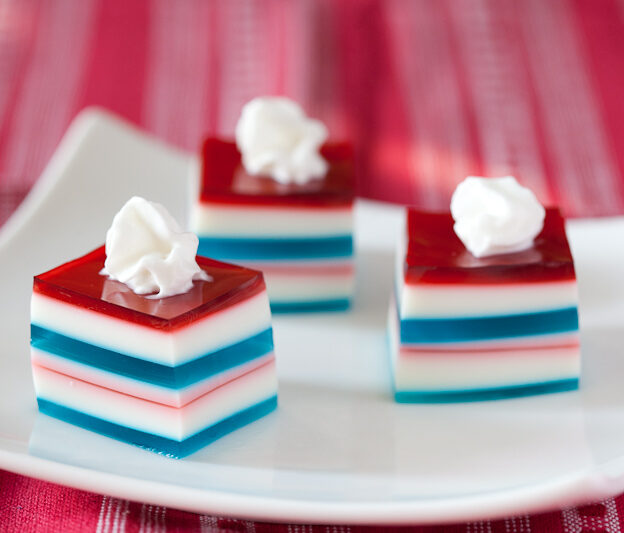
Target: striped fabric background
{"type": "Point", "coordinates": [429, 91]}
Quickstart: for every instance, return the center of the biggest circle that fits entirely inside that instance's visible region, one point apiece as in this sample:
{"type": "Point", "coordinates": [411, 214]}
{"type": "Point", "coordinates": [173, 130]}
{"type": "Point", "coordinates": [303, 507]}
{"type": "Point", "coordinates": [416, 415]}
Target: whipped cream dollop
{"type": "Point", "coordinates": [277, 139]}
{"type": "Point", "coordinates": [496, 215]}
{"type": "Point", "coordinates": [147, 250]}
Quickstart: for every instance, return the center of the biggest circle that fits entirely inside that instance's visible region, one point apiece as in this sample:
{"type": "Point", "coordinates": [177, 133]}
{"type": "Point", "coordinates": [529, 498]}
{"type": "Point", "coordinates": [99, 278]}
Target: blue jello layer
{"type": "Point", "coordinates": [432, 330]}
{"type": "Point", "coordinates": [155, 443]}
{"type": "Point", "coordinates": [166, 376]}
{"type": "Point", "coordinates": [276, 248]}
{"type": "Point", "coordinates": [340, 304]}
{"type": "Point", "coordinates": [474, 395]}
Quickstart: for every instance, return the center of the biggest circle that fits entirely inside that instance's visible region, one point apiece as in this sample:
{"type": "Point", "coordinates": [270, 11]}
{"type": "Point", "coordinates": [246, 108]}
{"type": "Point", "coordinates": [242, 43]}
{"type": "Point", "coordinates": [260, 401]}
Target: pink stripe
{"type": "Point", "coordinates": [411, 351]}
{"type": "Point", "coordinates": [515, 285]}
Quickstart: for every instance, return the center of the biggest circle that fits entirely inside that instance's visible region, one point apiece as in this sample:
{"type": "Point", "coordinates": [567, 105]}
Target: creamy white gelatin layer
{"type": "Point", "coordinates": [155, 418]}
{"type": "Point", "coordinates": [294, 287]}
{"type": "Point", "coordinates": [212, 219]}
{"type": "Point", "coordinates": [208, 334]}
{"type": "Point", "coordinates": [139, 388]}
{"type": "Point", "coordinates": [436, 371]}
{"type": "Point", "coordinates": [459, 300]}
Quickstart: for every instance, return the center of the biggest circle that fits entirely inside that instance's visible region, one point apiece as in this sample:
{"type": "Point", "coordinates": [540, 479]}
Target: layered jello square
{"type": "Point", "coordinates": [168, 374]}
{"type": "Point", "coordinates": [299, 235]}
{"type": "Point", "coordinates": [466, 328]}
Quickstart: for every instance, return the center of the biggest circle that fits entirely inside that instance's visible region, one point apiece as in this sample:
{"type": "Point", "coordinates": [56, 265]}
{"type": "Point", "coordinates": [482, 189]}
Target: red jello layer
{"type": "Point", "coordinates": [80, 283]}
{"type": "Point", "coordinates": [436, 255]}
{"type": "Point", "coordinates": [224, 180]}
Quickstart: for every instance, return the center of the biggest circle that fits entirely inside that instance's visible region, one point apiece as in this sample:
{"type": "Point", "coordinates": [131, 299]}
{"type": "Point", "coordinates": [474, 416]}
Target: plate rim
{"type": "Point", "coordinates": [571, 490]}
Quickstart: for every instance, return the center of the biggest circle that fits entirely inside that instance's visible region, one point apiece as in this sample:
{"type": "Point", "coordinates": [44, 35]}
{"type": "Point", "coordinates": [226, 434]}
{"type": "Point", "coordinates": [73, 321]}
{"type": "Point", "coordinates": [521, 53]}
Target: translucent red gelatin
{"type": "Point", "coordinates": [224, 180]}
{"type": "Point", "coordinates": [80, 283]}
{"type": "Point", "coordinates": [436, 255]}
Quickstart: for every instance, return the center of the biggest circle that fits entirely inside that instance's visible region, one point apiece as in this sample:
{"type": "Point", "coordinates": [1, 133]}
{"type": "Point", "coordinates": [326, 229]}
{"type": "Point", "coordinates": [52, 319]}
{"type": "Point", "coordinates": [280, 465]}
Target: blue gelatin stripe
{"type": "Point", "coordinates": [166, 376]}
{"type": "Point", "coordinates": [155, 443]}
{"type": "Point", "coordinates": [340, 304]}
{"type": "Point", "coordinates": [227, 248]}
{"type": "Point", "coordinates": [431, 330]}
{"type": "Point", "coordinates": [475, 395]}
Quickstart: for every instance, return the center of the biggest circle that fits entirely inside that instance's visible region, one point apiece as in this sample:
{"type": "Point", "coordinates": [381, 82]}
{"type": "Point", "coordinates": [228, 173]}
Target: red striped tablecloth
{"type": "Point", "coordinates": [429, 91]}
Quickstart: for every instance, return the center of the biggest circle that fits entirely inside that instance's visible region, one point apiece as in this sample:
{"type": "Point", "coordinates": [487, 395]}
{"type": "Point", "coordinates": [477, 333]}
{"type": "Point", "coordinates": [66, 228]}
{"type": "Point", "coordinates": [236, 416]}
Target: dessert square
{"type": "Point", "coordinates": [299, 235]}
{"type": "Point", "coordinates": [169, 374]}
{"type": "Point", "coordinates": [467, 328]}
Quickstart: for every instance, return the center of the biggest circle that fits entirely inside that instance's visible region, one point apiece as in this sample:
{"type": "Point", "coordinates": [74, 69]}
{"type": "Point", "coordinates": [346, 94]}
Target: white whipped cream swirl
{"type": "Point", "coordinates": [496, 215]}
{"type": "Point", "coordinates": [147, 250]}
{"type": "Point", "coordinates": [277, 139]}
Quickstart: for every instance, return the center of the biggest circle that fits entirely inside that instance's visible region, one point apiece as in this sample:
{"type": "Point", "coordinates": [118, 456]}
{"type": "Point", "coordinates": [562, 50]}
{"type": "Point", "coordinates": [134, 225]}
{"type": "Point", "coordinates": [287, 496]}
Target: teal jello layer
{"type": "Point", "coordinates": [157, 374]}
{"type": "Point", "coordinates": [155, 443]}
{"type": "Point", "coordinates": [498, 393]}
{"type": "Point", "coordinates": [340, 304]}
{"type": "Point", "coordinates": [433, 330]}
{"type": "Point", "coordinates": [275, 248]}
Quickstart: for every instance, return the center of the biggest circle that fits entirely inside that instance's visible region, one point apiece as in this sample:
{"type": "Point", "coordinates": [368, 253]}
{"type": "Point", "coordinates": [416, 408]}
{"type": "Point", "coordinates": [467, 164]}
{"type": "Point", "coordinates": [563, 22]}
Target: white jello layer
{"type": "Point", "coordinates": [143, 415]}
{"type": "Point", "coordinates": [212, 219]}
{"type": "Point", "coordinates": [142, 389]}
{"type": "Point", "coordinates": [307, 286]}
{"type": "Point", "coordinates": [440, 371]}
{"type": "Point", "coordinates": [203, 336]}
{"type": "Point", "coordinates": [442, 301]}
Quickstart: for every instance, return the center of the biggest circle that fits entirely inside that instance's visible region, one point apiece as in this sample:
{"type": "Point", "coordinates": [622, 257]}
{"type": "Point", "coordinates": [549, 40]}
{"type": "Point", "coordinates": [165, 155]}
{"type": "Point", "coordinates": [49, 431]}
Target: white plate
{"type": "Point", "coordinates": [338, 450]}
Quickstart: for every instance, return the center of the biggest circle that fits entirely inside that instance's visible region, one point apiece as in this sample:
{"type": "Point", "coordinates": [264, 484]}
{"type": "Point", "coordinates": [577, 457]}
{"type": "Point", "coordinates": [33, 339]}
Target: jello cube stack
{"type": "Point", "coordinates": [169, 374]}
{"type": "Point", "coordinates": [299, 235]}
{"type": "Point", "coordinates": [464, 328]}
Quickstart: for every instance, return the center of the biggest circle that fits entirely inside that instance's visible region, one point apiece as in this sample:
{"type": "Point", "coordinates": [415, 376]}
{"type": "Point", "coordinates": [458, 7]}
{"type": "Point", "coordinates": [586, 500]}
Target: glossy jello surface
{"type": "Point", "coordinates": [436, 255]}
{"type": "Point", "coordinates": [80, 283]}
{"type": "Point", "coordinates": [225, 180]}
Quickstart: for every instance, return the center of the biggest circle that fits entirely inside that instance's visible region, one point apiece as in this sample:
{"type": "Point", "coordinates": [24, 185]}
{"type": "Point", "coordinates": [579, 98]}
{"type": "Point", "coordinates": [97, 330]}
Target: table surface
{"type": "Point", "coordinates": [428, 92]}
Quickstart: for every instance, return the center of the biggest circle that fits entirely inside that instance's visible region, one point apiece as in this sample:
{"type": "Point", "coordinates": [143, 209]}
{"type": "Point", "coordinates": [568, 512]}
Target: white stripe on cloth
{"type": "Point", "coordinates": [100, 522]}
{"type": "Point", "coordinates": [124, 515]}
{"type": "Point", "coordinates": [109, 521]}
